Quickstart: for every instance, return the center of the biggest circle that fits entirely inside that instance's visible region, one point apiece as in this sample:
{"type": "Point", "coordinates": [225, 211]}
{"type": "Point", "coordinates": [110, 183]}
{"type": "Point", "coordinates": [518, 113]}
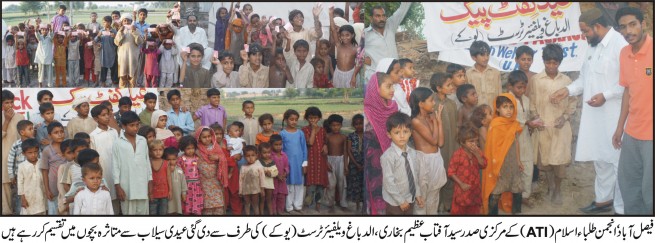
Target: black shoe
{"type": "Point", "coordinates": [593, 209]}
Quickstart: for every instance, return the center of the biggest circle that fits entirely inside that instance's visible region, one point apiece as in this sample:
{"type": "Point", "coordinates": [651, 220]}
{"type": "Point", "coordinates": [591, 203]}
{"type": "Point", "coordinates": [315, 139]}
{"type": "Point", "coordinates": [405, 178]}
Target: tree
{"type": "Point", "coordinates": [93, 6]}
{"type": "Point", "coordinates": [413, 22]}
{"type": "Point", "coordinates": [291, 93]}
{"type": "Point", "coordinates": [30, 6]}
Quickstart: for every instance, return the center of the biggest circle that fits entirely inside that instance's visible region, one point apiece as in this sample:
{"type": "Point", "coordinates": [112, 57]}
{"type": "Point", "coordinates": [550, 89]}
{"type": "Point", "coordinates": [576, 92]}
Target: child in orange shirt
{"type": "Point", "coordinates": [60, 43]}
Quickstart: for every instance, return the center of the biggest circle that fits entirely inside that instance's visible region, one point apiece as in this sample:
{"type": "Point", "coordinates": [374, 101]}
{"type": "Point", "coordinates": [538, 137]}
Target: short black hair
{"type": "Point", "coordinates": [142, 10]}
{"type": "Point", "coordinates": [404, 61]}
{"type": "Point", "coordinates": [96, 110]}
{"type": "Point", "coordinates": [65, 145]}
{"type": "Point", "coordinates": [78, 142]}
{"type": "Point", "coordinates": [29, 143]}
{"type": "Point", "coordinates": [172, 93]}
{"type": "Point", "coordinates": [144, 130]}
{"type": "Point", "coordinates": [22, 124]}
{"type": "Point", "coordinates": [171, 151]}
{"type": "Point", "coordinates": [462, 90]}
{"type": "Point", "coordinates": [293, 14]}
{"type": "Point", "coordinates": [129, 117]}
{"type": "Point", "coordinates": [81, 135]}
{"type": "Point", "coordinates": [355, 118]}
{"type": "Point", "coordinates": [216, 126]}
{"type": "Point", "coordinates": [524, 50]}
{"type": "Point", "coordinates": [249, 148]}
{"type": "Point", "coordinates": [213, 91]}
{"type": "Point", "coordinates": [53, 125]}
{"type": "Point", "coordinates": [149, 96]}
{"type": "Point", "coordinates": [7, 95]}
{"type": "Point", "coordinates": [500, 100]}
{"type": "Point", "coordinates": [467, 132]}
{"type": "Point", "coordinates": [91, 167]}
{"type": "Point", "coordinates": [479, 48]}
{"type": "Point", "coordinates": [454, 67]}
{"type": "Point", "coordinates": [186, 141]}
{"type": "Point", "coordinates": [338, 12]}
{"type": "Point", "coordinates": [108, 105]}
{"type": "Point", "coordinates": [316, 61]}
{"type": "Point", "coordinates": [247, 102]}
{"type": "Point", "coordinates": [479, 114]}
{"type": "Point", "coordinates": [274, 138]}
{"type": "Point", "coordinates": [239, 124]}
{"type": "Point", "coordinates": [107, 19]}
{"type": "Point", "coordinates": [516, 77]}
{"type": "Point", "coordinates": [45, 107]}
{"type": "Point", "coordinates": [116, 12]}
{"type": "Point", "coordinates": [86, 156]}
{"type": "Point", "coordinates": [630, 11]}
{"type": "Point", "coordinates": [124, 101]}
{"type": "Point", "coordinates": [254, 15]}
{"type": "Point", "coordinates": [198, 47]}
{"type": "Point", "coordinates": [313, 111]}
{"type": "Point", "coordinates": [332, 118]}
{"type": "Point", "coordinates": [553, 52]}
{"type": "Point", "coordinates": [264, 117]}
{"type": "Point", "coordinates": [398, 119]}
{"type": "Point", "coordinates": [438, 79]}
{"type": "Point", "coordinates": [225, 54]}
{"type": "Point", "coordinates": [377, 7]}
{"type": "Point", "coordinates": [263, 146]}
{"type": "Point", "coordinates": [177, 129]}
{"type": "Point", "coordinates": [300, 43]}
{"type": "Point", "coordinates": [61, 6]}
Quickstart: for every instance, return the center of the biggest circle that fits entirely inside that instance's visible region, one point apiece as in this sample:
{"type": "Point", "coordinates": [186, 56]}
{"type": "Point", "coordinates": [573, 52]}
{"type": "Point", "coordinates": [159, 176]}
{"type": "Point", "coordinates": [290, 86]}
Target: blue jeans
{"type": "Point", "coordinates": [159, 206]}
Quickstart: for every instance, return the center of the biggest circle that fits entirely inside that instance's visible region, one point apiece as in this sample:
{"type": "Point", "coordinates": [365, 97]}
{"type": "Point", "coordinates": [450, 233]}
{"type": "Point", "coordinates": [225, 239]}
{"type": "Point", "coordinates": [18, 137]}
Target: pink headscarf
{"type": "Point", "coordinates": [377, 110]}
{"type": "Point", "coordinates": [204, 152]}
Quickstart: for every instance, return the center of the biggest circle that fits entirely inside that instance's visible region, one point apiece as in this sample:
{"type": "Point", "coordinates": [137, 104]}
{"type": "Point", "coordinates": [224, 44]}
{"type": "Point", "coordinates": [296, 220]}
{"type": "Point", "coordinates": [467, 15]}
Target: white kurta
{"type": "Point", "coordinates": [401, 100]}
{"type": "Point", "coordinates": [103, 142]}
{"type": "Point", "coordinates": [599, 74]}
{"type": "Point", "coordinates": [30, 184]}
{"type": "Point", "coordinates": [93, 203]}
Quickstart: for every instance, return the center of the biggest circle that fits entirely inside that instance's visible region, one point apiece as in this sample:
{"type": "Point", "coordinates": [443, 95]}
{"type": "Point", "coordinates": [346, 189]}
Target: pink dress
{"type": "Point", "coordinates": [194, 197]}
{"type": "Point", "coordinates": [152, 66]}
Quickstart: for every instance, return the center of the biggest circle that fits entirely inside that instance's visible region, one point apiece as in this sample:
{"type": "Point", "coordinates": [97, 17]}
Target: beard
{"type": "Point", "coordinates": [593, 41]}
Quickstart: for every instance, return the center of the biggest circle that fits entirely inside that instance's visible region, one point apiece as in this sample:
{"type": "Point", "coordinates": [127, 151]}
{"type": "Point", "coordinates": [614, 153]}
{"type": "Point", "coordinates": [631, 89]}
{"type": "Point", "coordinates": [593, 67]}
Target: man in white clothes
{"type": "Point", "coordinates": [381, 36]}
{"type": "Point", "coordinates": [193, 34]}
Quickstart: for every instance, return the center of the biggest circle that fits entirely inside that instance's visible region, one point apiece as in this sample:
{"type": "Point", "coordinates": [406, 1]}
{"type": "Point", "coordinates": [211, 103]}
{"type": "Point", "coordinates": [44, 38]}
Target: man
{"type": "Point", "coordinates": [193, 34]}
{"type": "Point", "coordinates": [636, 76]}
{"type": "Point", "coordinates": [298, 32]}
{"type": "Point", "coordinates": [59, 19]}
{"type": "Point", "coordinates": [381, 36]}
{"type": "Point", "coordinates": [599, 85]}
{"type": "Point", "coordinates": [9, 135]}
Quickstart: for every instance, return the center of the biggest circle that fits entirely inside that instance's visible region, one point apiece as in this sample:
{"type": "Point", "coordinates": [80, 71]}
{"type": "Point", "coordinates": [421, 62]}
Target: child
{"type": "Point", "coordinates": [148, 133]}
{"type": "Point", "coordinates": [82, 122]}
{"type": "Point", "coordinates": [92, 200]}
{"type": "Point", "coordinates": [320, 78]}
{"type": "Point", "coordinates": [427, 132]}
{"type": "Point", "coordinates": [464, 168]}
{"type": "Point", "coordinates": [51, 159]}
{"type": "Point", "coordinates": [26, 131]}
{"type": "Point", "coordinates": [113, 123]}
{"type": "Point", "coordinates": [266, 123]}
{"type": "Point", "coordinates": [9, 119]}
{"type": "Point", "coordinates": [337, 162]}
{"type": "Point", "coordinates": [132, 174]}
{"type": "Point", "coordinates": [213, 112]}
{"type": "Point", "coordinates": [178, 182]}
{"type": "Point", "coordinates": [167, 63]}
{"type": "Point", "coordinates": [316, 175]}
{"type": "Point", "coordinates": [84, 136]}
{"type": "Point", "coordinates": [480, 119]}
{"type": "Point", "coordinates": [225, 76]}
{"type": "Point", "coordinates": [408, 83]}
{"type": "Point", "coordinates": [177, 118]}
{"type": "Point", "coordinates": [346, 53]}
{"type": "Point", "coordinates": [60, 45]}
{"type": "Point", "coordinates": [300, 71]}
{"type": "Point", "coordinates": [89, 57]}
{"type": "Point", "coordinates": [222, 19]}
{"type": "Point", "coordinates": [282, 163]}
{"type": "Point", "coordinates": [400, 185]}
{"type": "Point", "coordinates": [442, 85]}
{"type": "Point", "coordinates": [32, 45]}
{"type": "Point", "coordinates": [235, 143]}
{"type": "Point", "coordinates": [458, 74]}
{"type": "Point", "coordinates": [30, 182]}
{"type": "Point", "coordinates": [69, 155]}
{"type": "Point", "coordinates": [517, 82]}
{"type": "Point", "coordinates": [251, 180]}
{"type": "Point", "coordinates": [523, 59]}
{"type": "Point", "coordinates": [72, 179]}
{"type": "Point", "coordinates": [158, 122]}
{"type": "Point", "coordinates": [554, 135]}
{"type": "Point", "coordinates": [151, 68]}
{"type": "Point", "coordinates": [74, 59]}
{"type": "Point", "coordinates": [355, 182]}
{"type": "Point", "coordinates": [23, 62]}
{"type": "Point", "coordinates": [502, 149]}
{"type": "Point", "coordinates": [10, 61]}
{"type": "Point", "coordinates": [231, 193]}
{"type": "Point", "coordinates": [270, 171]}
{"type": "Point", "coordinates": [124, 105]}
{"type": "Point", "coordinates": [250, 122]}
{"type": "Point", "coordinates": [161, 180]}
{"type": "Point", "coordinates": [321, 53]}
{"type": "Point", "coordinates": [295, 147]}
{"type": "Point", "coordinates": [178, 133]}
{"type": "Point", "coordinates": [109, 50]}
{"type": "Point", "coordinates": [235, 38]}
{"type": "Point", "coordinates": [44, 56]}
{"type": "Point", "coordinates": [279, 72]}
{"type": "Point", "coordinates": [128, 39]}
{"type": "Point", "coordinates": [146, 115]}
{"type": "Point", "coordinates": [213, 171]}
{"type": "Point", "coordinates": [94, 25]}
{"type": "Point", "coordinates": [102, 140]}
{"type": "Point", "coordinates": [466, 94]}
{"type": "Point", "coordinates": [253, 74]}
{"type": "Point", "coordinates": [483, 77]}
{"type": "Point", "coordinates": [193, 204]}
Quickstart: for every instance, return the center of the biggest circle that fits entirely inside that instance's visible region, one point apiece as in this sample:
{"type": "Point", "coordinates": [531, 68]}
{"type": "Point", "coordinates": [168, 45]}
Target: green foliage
{"type": "Point", "coordinates": [291, 93]}
{"type": "Point", "coordinates": [29, 6]}
{"type": "Point", "coordinates": [413, 22]}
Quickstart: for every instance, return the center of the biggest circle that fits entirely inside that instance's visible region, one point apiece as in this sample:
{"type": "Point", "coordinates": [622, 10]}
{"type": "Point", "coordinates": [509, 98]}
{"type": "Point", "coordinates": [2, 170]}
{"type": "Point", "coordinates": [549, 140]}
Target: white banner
{"type": "Point", "coordinates": [25, 102]}
{"type": "Point", "coordinates": [452, 26]}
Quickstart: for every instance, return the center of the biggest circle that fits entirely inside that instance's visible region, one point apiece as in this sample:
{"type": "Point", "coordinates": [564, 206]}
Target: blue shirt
{"type": "Point", "coordinates": [183, 120]}
{"type": "Point", "coordinates": [142, 27]}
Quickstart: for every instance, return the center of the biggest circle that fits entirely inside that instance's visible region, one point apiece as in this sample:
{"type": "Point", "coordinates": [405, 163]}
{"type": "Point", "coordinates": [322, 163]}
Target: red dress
{"type": "Point", "coordinates": [152, 66]}
{"type": "Point", "coordinates": [317, 173]}
{"type": "Point", "coordinates": [321, 81]}
{"type": "Point", "coordinates": [232, 190]}
{"type": "Point", "coordinates": [468, 171]}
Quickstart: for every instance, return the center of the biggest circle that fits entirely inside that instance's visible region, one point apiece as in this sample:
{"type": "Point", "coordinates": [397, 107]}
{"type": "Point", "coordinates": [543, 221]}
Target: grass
{"type": "Point", "coordinates": [155, 16]}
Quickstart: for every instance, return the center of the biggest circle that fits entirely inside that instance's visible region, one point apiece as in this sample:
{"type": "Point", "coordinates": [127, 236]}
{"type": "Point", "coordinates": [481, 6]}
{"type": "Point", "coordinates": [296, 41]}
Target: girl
{"type": "Point", "coordinates": [281, 161]}
{"type": "Point", "coordinates": [213, 171]}
{"type": "Point", "coordinates": [189, 164]}
{"type": "Point", "coordinates": [89, 59]}
{"type": "Point", "coordinates": [158, 121]}
{"type": "Point", "coordinates": [480, 118]}
{"type": "Point", "coordinates": [251, 180]}
{"type": "Point", "coordinates": [128, 39]}
{"type": "Point", "coordinates": [270, 171]}
{"type": "Point", "coordinates": [147, 132]}
{"type": "Point", "coordinates": [320, 78]}
{"type": "Point", "coordinates": [427, 132]}
{"type": "Point", "coordinates": [266, 122]}
{"type": "Point", "coordinates": [161, 180]}
{"type": "Point", "coordinates": [23, 62]}
{"type": "Point", "coordinates": [464, 168]}
{"type": "Point", "coordinates": [355, 182]}
{"type": "Point", "coordinates": [234, 39]}
{"type": "Point", "coordinates": [295, 146]}
{"type": "Point", "coordinates": [316, 176]}
{"type": "Point", "coordinates": [231, 189]}
{"type": "Point", "coordinates": [222, 19]}
{"type": "Point", "coordinates": [322, 47]}
{"type": "Point", "coordinates": [178, 182]}
{"type": "Point", "coordinates": [151, 69]}
{"type": "Point", "coordinates": [44, 56]}
{"type": "Point", "coordinates": [194, 75]}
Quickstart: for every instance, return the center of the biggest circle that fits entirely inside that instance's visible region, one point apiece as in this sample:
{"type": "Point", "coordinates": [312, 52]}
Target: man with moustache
{"type": "Point", "coordinates": [193, 34]}
{"type": "Point", "coordinates": [381, 35]}
{"type": "Point", "coordinates": [599, 85]}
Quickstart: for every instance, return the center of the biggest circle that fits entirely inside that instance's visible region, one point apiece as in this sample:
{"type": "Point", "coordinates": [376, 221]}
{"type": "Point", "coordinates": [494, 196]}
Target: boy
{"type": "Point", "coordinates": [458, 74]}
{"type": "Point", "coordinates": [102, 140]}
{"type": "Point", "coordinates": [42, 96]}
{"type": "Point", "coordinates": [212, 113]}
{"type": "Point", "coordinates": [92, 200]}
{"type": "Point", "coordinates": [252, 74]}
{"type": "Point", "coordinates": [177, 117]}
{"type": "Point", "coordinates": [337, 162]}
{"type": "Point", "coordinates": [178, 180]}
{"type": "Point", "coordinates": [524, 58]}
{"type": "Point", "coordinates": [82, 122]}
{"type": "Point", "coordinates": [72, 176]}
{"type": "Point", "coordinates": [408, 83]}
{"type": "Point", "coordinates": [225, 76]}
{"type": "Point", "coordinates": [466, 94]}
{"type": "Point", "coordinates": [84, 136]}
{"type": "Point", "coordinates": [131, 165]}
{"type": "Point", "coordinates": [47, 114]}
{"type": "Point", "coordinates": [30, 181]}
{"type": "Point", "coordinates": [234, 141]}
{"type": "Point", "coordinates": [9, 120]}
{"type": "Point", "coordinates": [167, 63]}
{"type": "Point", "coordinates": [485, 78]}
{"type": "Point", "coordinates": [400, 183]}
{"type": "Point", "coordinates": [554, 135]}
{"type": "Point", "coordinates": [124, 105]}
{"type": "Point", "coordinates": [74, 60]}
{"type": "Point", "coordinates": [151, 101]}
{"type": "Point", "coordinates": [109, 61]}
{"type": "Point", "coordinates": [516, 84]}
{"type": "Point", "coordinates": [60, 44]}
{"type": "Point", "coordinates": [442, 85]}
{"type": "Point", "coordinates": [301, 72]}
{"type": "Point", "coordinates": [94, 26]}
{"type": "Point", "coordinates": [69, 156]}
{"type": "Point", "coordinates": [16, 157]}
{"type": "Point", "coordinates": [51, 159]}
{"type": "Point", "coordinates": [250, 122]}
